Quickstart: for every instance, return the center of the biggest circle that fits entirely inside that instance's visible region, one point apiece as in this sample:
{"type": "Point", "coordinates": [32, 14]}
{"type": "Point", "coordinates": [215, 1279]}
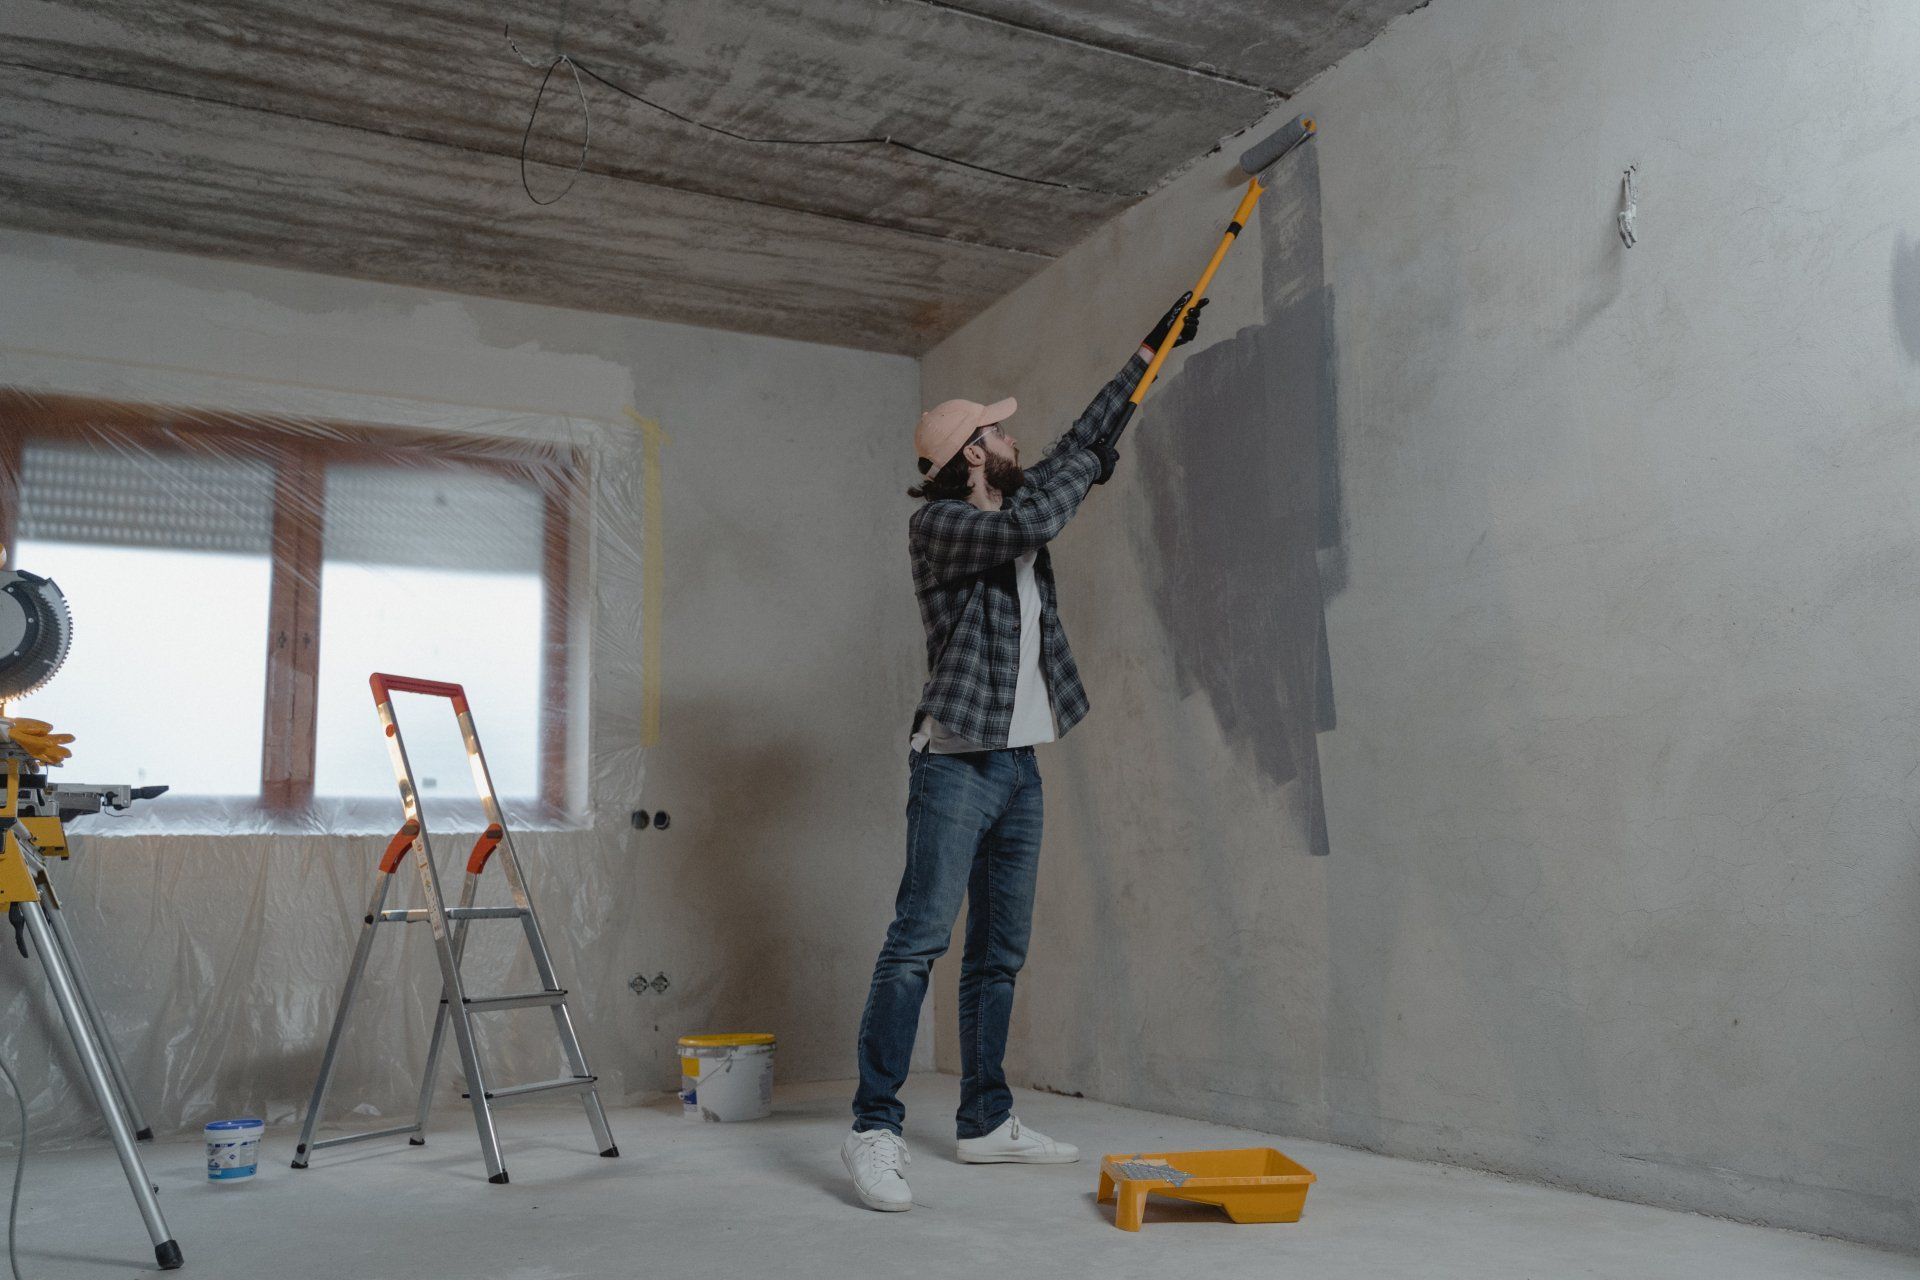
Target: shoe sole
{"type": "Point", "coordinates": [969, 1158]}
{"type": "Point", "coordinates": [879, 1206]}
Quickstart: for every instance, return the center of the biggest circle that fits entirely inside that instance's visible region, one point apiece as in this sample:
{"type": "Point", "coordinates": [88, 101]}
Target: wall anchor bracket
{"type": "Point", "coordinates": [1629, 206]}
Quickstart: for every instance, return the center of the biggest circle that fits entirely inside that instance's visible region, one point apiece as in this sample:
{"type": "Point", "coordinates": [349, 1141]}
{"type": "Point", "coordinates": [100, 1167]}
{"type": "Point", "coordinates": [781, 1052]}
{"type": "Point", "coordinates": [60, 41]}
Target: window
{"type": "Point", "coordinates": [448, 562]}
{"type": "Point", "coordinates": [165, 565]}
{"type": "Point", "coordinates": [234, 583]}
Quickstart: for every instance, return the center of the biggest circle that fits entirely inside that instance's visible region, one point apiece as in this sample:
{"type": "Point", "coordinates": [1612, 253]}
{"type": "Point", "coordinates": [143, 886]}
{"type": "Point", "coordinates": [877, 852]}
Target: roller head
{"type": "Point", "coordinates": [1262, 155]}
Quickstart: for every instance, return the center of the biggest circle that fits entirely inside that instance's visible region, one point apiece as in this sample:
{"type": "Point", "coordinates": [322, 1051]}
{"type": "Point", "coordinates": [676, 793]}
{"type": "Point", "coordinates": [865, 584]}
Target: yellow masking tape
{"type": "Point", "coordinates": [653, 575]}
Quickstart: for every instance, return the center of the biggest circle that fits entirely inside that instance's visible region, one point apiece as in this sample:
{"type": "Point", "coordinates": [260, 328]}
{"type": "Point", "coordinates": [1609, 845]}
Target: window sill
{"type": "Point", "coordinates": [343, 816]}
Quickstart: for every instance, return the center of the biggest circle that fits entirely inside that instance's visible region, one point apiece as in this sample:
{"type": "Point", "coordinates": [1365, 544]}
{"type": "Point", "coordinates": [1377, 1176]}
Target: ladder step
{"type": "Point", "coordinates": [532, 1000]}
{"type": "Point", "coordinates": [324, 1143]}
{"type": "Point", "coordinates": [519, 1091]}
{"type": "Point", "coordinates": [416, 914]}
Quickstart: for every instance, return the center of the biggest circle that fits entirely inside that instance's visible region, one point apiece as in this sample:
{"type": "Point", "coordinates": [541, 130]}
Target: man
{"type": "Point", "coordinates": [1002, 681]}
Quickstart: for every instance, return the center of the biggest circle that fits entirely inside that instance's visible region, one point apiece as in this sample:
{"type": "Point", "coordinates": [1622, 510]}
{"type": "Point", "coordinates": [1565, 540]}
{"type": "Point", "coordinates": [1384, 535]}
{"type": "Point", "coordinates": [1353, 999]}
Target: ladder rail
{"type": "Point", "coordinates": [432, 1070]}
{"type": "Point", "coordinates": [452, 991]}
{"type": "Point", "coordinates": [536, 937]}
{"type": "Point", "coordinates": [368, 1136]}
{"type": "Point", "coordinates": [329, 1059]}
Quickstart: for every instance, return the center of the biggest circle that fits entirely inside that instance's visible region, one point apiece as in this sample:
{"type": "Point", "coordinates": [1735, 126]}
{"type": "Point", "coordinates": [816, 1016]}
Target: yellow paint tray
{"type": "Point", "coordinates": [1253, 1184]}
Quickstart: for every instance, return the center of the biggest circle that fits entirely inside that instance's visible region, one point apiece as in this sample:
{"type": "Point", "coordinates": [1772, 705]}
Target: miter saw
{"type": "Point", "coordinates": [35, 633]}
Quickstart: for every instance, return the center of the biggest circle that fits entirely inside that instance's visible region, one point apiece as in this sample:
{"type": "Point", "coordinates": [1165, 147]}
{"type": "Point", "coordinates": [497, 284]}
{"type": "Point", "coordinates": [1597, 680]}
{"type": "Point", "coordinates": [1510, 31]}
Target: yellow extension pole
{"type": "Point", "coordinates": [1240, 216]}
{"type": "Point", "coordinates": [1255, 161]}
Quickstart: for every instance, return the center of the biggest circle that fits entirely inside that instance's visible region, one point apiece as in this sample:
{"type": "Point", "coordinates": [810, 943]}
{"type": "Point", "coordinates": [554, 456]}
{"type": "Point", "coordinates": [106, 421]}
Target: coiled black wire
{"type": "Point", "coordinates": [579, 68]}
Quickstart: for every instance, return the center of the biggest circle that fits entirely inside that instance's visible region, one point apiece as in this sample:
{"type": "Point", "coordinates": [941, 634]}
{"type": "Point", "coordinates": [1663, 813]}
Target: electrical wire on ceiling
{"type": "Point", "coordinates": [579, 69]}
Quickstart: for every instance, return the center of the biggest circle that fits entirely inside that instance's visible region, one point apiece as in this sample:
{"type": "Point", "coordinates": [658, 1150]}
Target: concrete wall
{"type": "Point", "coordinates": [1624, 885]}
{"type": "Point", "coordinates": [787, 625]}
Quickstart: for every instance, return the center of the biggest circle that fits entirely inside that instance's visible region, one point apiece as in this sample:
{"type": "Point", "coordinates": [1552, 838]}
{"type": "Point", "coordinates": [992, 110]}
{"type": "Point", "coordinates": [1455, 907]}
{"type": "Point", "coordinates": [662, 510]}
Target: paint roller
{"type": "Point", "coordinates": [1254, 161]}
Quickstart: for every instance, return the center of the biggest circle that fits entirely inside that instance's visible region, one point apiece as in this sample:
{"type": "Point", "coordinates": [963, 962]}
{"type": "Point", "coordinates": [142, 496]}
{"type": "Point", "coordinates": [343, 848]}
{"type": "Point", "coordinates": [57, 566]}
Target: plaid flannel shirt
{"type": "Point", "coordinates": [964, 579]}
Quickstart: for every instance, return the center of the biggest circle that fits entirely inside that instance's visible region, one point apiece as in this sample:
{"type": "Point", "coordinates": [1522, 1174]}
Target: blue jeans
{"type": "Point", "coordinates": [973, 829]}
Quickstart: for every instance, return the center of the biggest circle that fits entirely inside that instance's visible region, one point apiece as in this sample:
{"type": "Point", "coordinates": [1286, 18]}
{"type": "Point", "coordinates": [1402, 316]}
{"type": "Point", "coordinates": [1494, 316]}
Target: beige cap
{"type": "Point", "coordinates": [945, 429]}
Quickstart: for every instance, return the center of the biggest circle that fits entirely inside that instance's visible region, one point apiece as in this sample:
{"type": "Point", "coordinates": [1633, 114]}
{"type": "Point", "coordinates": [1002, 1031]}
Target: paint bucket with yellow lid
{"type": "Point", "coordinates": [726, 1077]}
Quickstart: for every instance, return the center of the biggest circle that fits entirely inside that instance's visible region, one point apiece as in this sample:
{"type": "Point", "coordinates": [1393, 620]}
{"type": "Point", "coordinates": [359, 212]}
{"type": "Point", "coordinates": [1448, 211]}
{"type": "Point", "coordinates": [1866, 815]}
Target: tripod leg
{"type": "Point", "coordinates": [165, 1250]}
{"type": "Point", "coordinates": [142, 1132]}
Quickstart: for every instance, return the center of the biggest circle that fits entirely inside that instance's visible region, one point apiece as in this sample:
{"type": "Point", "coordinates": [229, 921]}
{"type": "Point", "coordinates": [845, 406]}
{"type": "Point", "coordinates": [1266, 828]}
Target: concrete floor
{"type": "Point", "coordinates": [769, 1199]}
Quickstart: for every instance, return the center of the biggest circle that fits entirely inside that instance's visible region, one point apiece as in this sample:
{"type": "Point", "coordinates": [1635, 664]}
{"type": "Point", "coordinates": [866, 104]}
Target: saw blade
{"type": "Point", "coordinates": [37, 631]}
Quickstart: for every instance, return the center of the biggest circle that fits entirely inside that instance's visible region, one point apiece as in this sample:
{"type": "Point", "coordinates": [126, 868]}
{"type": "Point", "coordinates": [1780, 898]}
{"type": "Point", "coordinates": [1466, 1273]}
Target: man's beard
{"type": "Point", "coordinates": [1007, 477]}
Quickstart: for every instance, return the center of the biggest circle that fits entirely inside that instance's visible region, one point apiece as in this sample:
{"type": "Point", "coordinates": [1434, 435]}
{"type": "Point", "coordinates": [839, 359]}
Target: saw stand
{"type": "Point", "coordinates": [33, 813]}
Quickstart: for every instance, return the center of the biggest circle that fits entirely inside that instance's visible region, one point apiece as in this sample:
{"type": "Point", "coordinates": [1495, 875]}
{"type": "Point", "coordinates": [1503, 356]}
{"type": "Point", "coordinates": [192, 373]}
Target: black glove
{"type": "Point", "coordinates": [1189, 329]}
{"type": "Point", "coordinates": [1109, 459]}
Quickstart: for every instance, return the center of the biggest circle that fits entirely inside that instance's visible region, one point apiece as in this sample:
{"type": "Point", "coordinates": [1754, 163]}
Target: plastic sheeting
{"type": "Point", "coordinates": [234, 578]}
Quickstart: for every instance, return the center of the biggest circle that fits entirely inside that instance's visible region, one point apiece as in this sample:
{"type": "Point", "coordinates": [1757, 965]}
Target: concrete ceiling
{"type": "Point", "coordinates": [380, 140]}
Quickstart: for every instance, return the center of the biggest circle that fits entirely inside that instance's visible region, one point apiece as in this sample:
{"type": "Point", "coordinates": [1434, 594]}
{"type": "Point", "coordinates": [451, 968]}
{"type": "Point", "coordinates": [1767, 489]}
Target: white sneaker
{"type": "Point", "coordinates": [1014, 1143]}
{"type": "Point", "coordinates": [875, 1158]}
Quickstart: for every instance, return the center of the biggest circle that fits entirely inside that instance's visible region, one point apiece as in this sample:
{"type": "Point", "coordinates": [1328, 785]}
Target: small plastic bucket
{"type": "Point", "coordinates": [233, 1149]}
{"type": "Point", "coordinates": [728, 1077]}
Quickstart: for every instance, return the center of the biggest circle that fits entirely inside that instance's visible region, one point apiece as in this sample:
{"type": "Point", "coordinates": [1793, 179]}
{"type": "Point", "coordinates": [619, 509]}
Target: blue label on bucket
{"type": "Point", "coordinates": [233, 1148]}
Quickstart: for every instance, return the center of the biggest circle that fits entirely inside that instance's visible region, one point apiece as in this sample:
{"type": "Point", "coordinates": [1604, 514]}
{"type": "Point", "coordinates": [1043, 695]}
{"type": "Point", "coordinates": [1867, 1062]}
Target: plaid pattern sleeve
{"type": "Point", "coordinates": [1093, 420]}
{"type": "Point", "coordinates": [959, 540]}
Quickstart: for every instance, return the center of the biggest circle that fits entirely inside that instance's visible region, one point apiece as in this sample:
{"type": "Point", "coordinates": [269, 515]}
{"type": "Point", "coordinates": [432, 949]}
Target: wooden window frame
{"type": "Point", "coordinates": [300, 450]}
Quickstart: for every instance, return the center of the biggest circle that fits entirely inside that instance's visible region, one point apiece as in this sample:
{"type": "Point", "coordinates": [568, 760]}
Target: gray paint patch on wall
{"type": "Point", "coordinates": [1241, 466]}
{"type": "Point", "coordinates": [1906, 295]}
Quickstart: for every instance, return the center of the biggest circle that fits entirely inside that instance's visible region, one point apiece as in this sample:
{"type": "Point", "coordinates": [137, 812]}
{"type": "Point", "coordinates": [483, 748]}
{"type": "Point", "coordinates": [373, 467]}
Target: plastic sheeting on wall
{"type": "Point", "coordinates": [234, 578]}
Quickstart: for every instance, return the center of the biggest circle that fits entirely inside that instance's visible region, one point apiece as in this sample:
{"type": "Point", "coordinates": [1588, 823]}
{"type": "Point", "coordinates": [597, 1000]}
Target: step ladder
{"type": "Point", "coordinates": [449, 926]}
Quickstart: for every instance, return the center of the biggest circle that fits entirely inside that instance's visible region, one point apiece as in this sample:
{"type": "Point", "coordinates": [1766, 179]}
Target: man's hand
{"type": "Point", "coordinates": [37, 739]}
{"type": "Point", "coordinates": [1109, 459]}
{"type": "Point", "coordinates": [1189, 328]}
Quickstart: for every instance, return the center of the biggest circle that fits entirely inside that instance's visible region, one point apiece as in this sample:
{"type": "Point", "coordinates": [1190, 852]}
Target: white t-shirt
{"type": "Point", "coordinates": [1032, 707]}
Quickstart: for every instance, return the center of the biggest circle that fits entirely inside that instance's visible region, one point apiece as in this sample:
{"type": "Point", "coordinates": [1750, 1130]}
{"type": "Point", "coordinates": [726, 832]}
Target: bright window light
{"type": "Point", "coordinates": [166, 681]}
{"type": "Point", "coordinates": [432, 573]}
{"type": "Point", "coordinates": [163, 558]}
{"type": "Point", "coordinates": [480, 630]}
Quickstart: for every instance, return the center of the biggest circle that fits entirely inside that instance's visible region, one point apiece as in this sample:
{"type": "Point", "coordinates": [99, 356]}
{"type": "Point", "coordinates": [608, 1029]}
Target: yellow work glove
{"type": "Point", "coordinates": [38, 739]}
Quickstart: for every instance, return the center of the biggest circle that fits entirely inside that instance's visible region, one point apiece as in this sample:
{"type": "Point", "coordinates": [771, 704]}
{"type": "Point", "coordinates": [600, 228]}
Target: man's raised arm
{"type": "Point", "coordinates": [959, 538]}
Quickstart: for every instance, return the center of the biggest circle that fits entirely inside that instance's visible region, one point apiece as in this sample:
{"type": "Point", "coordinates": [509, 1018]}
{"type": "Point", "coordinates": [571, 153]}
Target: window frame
{"type": "Point", "coordinates": [300, 450]}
